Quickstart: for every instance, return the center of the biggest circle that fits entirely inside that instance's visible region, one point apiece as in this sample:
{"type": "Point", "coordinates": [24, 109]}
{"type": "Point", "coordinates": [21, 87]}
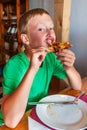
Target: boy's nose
{"type": "Point", "coordinates": [48, 32]}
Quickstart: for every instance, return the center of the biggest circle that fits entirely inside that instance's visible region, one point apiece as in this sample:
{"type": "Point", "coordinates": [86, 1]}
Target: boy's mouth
{"type": "Point", "coordinates": [50, 41]}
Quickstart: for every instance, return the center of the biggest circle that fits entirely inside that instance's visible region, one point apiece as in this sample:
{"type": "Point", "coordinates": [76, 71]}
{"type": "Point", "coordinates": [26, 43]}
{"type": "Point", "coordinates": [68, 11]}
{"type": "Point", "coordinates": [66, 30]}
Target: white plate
{"type": "Point", "coordinates": [64, 117]}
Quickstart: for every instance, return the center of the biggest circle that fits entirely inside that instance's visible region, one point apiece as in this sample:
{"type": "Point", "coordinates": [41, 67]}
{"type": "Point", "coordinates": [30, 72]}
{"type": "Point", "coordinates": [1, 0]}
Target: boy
{"type": "Point", "coordinates": [28, 74]}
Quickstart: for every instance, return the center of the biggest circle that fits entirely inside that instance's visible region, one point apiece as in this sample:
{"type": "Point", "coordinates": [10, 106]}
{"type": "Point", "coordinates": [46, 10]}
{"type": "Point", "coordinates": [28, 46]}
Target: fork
{"type": "Point", "coordinates": [76, 98]}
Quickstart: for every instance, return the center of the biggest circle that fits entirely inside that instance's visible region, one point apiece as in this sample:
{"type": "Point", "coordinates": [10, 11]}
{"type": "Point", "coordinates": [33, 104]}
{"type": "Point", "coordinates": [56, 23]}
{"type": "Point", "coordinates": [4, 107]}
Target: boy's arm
{"type": "Point", "coordinates": [14, 105]}
{"type": "Point", "coordinates": [73, 80]}
{"type": "Point", "coordinates": [67, 58]}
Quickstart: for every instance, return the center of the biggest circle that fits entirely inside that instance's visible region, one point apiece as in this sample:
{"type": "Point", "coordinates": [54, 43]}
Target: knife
{"type": "Point", "coordinates": [52, 102]}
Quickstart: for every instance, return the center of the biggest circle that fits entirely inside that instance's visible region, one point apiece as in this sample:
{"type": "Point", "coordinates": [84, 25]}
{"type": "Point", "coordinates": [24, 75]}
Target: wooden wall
{"type": "Point", "coordinates": [62, 9]}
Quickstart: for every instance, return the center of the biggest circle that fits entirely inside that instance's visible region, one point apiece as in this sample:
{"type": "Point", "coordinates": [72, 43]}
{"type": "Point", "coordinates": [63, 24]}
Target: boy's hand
{"type": "Point", "coordinates": [37, 56]}
{"type": "Point", "coordinates": [67, 58]}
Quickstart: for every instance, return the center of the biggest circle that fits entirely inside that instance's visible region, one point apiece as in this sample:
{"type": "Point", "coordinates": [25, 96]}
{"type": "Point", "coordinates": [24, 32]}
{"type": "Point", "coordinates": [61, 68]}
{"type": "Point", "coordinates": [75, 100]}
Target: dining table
{"type": "Point", "coordinates": [23, 124]}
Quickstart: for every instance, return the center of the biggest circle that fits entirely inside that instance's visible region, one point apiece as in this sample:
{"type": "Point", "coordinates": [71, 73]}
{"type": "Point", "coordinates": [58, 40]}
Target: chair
{"type": "Point", "coordinates": [56, 85]}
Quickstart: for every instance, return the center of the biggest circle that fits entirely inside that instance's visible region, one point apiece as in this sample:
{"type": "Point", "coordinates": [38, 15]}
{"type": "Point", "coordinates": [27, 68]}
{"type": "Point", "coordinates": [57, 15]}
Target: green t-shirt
{"type": "Point", "coordinates": [18, 65]}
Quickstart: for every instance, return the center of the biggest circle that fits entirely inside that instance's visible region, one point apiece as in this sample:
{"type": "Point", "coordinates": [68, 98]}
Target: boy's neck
{"type": "Point", "coordinates": [27, 54]}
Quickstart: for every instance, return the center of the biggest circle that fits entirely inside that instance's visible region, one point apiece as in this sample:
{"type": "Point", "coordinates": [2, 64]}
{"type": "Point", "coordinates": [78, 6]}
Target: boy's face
{"type": "Point", "coordinates": [40, 31]}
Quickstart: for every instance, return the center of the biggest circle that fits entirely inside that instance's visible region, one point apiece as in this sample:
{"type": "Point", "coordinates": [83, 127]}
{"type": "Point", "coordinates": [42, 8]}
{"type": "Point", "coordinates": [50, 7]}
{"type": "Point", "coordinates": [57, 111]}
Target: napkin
{"type": "Point", "coordinates": [84, 98]}
{"type": "Point", "coordinates": [34, 125]}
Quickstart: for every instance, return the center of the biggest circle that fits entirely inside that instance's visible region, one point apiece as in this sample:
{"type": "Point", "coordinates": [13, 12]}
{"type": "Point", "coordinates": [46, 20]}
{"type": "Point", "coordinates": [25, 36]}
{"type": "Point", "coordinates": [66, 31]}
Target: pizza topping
{"type": "Point", "coordinates": [56, 46]}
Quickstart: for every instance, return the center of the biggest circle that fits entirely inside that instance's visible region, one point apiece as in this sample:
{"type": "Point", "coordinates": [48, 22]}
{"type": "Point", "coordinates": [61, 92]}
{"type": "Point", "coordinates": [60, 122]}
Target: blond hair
{"type": "Point", "coordinates": [27, 16]}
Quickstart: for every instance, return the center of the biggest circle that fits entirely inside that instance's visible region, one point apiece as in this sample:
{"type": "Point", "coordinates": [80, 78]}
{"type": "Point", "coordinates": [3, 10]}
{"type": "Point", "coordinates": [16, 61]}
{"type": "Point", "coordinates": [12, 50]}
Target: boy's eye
{"type": "Point", "coordinates": [40, 29]}
{"type": "Point", "coordinates": [52, 28]}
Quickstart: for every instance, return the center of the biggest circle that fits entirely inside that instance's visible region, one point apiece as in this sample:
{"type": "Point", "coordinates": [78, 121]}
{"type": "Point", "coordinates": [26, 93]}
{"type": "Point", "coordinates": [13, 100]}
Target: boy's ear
{"type": "Point", "coordinates": [25, 39]}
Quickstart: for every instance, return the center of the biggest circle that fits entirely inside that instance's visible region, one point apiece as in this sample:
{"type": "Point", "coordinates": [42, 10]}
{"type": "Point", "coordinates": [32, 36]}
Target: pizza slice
{"type": "Point", "coordinates": [56, 46]}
